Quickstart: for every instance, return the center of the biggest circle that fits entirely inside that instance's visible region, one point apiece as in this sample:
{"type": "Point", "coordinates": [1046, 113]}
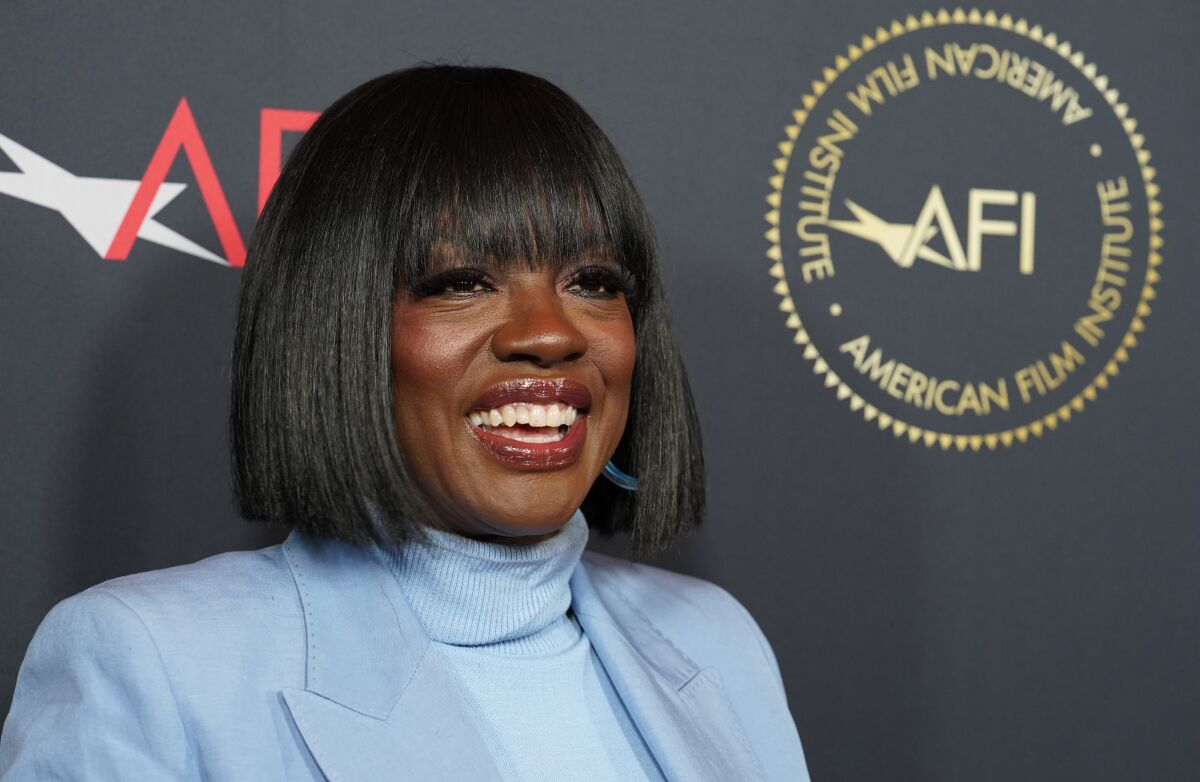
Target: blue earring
{"type": "Point", "coordinates": [625, 481]}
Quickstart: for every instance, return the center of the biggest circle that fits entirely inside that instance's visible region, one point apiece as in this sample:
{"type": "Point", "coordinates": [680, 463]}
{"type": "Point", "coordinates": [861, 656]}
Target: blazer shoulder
{"type": "Point", "coordinates": [236, 587]}
{"type": "Point", "coordinates": [661, 587]}
{"type": "Point", "coordinates": [702, 618]}
{"type": "Point", "coordinates": [119, 676]}
{"type": "Point", "coordinates": [711, 628]}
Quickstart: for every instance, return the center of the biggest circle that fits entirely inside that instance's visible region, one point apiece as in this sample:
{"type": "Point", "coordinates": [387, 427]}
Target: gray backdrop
{"type": "Point", "coordinates": [1024, 612]}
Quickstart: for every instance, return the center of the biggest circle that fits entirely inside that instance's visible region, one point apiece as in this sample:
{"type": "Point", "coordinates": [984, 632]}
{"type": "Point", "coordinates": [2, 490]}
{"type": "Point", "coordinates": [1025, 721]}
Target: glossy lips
{"type": "Point", "coordinates": [536, 391]}
{"type": "Point", "coordinates": [528, 394]}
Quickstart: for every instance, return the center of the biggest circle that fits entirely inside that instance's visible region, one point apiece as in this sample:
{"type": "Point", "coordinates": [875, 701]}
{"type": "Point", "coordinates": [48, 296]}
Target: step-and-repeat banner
{"type": "Point", "coordinates": [933, 270]}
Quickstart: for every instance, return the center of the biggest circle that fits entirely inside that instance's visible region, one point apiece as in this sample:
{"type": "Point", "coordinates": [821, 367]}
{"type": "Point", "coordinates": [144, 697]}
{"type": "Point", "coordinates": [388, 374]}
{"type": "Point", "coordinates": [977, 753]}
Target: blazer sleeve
{"type": "Point", "coordinates": [786, 754]}
{"type": "Point", "coordinates": [772, 663]}
{"type": "Point", "coordinates": [93, 700]}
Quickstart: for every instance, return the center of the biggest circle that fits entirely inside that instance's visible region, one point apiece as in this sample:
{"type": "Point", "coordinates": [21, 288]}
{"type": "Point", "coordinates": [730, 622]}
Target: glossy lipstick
{"type": "Point", "coordinates": [532, 455]}
{"type": "Point", "coordinates": [530, 389]}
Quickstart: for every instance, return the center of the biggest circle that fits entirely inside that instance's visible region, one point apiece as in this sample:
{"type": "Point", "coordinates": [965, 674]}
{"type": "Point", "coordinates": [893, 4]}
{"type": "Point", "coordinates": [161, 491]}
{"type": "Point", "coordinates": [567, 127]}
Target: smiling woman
{"type": "Point", "coordinates": [495, 236]}
{"type": "Point", "coordinates": [451, 326]}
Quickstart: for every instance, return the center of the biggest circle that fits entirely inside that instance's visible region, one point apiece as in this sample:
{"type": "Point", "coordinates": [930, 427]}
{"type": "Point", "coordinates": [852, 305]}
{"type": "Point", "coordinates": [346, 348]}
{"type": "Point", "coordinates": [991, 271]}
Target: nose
{"type": "Point", "coordinates": [537, 329]}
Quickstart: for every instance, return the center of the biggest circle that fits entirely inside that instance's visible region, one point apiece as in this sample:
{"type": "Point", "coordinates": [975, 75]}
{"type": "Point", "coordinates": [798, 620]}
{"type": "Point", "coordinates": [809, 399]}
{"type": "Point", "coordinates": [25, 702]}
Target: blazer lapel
{"type": "Point", "coordinates": [680, 709]}
{"type": "Point", "coordinates": [379, 701]}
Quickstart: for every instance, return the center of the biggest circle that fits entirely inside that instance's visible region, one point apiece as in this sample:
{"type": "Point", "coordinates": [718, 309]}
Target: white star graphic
{"type": "Point", "coordinates": [94, 206]}
{"type": "Point", "coordinates": [892, 237]}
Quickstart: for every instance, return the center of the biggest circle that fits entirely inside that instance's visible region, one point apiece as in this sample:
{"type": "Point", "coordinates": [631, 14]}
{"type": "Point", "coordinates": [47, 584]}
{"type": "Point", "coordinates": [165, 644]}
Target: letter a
{"type": "Point", "coordinates": [935, 208]}
{"type": "Point", "coordinates": [181, 132]}
{"type": "Point", "coordinates": [273, 124]}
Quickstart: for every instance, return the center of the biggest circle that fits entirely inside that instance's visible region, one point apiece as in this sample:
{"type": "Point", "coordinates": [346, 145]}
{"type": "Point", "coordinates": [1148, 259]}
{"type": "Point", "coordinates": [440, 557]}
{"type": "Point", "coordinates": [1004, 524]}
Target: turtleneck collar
{"type": "Point", "coordinates": [512, 599]}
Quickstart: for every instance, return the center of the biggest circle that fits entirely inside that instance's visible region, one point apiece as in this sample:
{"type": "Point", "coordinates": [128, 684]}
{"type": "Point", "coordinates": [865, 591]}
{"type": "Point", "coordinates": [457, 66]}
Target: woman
{"type": "Point", "coordinates": [451, 326]}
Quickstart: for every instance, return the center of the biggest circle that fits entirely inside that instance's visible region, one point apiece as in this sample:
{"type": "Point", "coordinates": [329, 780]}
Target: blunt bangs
{"type": "Point", "coordinates": [509, 169]}
{"type": "Point", "coordinates": [505, 168]}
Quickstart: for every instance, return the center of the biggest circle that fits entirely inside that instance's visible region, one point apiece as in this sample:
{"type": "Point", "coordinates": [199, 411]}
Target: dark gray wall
{"type": "Point", "coordinates": [1027, 612]}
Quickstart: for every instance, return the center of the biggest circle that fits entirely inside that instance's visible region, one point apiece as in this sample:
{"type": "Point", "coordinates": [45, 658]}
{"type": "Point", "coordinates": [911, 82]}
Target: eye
{"type": "Point", "coordinates": [600, 282]}
{"type": "Point", "coordinates": [456, 284]}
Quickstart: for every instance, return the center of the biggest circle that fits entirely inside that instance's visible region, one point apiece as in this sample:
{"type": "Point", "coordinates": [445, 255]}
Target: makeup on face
{"type": "Point", "coordinates": [512, 387]}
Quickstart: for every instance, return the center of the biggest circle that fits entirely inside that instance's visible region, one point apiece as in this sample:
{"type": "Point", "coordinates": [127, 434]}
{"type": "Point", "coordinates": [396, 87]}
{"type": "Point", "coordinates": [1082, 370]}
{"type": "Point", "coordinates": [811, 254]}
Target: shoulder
{"type": "Point", "coordinates": [239, 586]}
{"type": "Point", "coordinates": [187, 619]}
{"type": "Point", "coordinates": [112, 675]}
{"type": "Point", "coordinates": [233, 575]}
{"type": "Point", "coordinates": [657, 588]}
{"type": "Point", "coordinates": [703, 619]}
{"type": "Point", "coordinates": [711, 628]}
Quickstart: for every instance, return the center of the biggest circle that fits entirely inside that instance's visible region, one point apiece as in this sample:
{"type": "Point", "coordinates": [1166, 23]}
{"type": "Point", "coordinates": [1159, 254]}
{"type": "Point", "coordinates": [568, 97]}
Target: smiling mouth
{"type": "Point", "coordinates": [525, 422]}
{"type": "Point", "coordinates": [532, 423]}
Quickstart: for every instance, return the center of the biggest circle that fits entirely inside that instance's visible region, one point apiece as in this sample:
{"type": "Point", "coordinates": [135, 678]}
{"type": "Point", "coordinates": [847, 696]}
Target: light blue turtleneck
{"type": "Point", "coordinates": [538, 692]}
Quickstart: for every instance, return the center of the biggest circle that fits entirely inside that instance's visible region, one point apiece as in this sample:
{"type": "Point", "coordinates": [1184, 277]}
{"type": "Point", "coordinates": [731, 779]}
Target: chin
{"type": "Point", "coordinates": [521, 517]}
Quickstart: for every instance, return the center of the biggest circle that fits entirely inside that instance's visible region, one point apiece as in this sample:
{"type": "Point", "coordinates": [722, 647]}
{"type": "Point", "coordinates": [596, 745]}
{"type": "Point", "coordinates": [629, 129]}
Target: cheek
{"type": "Point", "coordinates": [428, 359]}
{"type": "Point", "coordinates": [422, 353]}
{"type": "Point", "coordinates": [615, 350]}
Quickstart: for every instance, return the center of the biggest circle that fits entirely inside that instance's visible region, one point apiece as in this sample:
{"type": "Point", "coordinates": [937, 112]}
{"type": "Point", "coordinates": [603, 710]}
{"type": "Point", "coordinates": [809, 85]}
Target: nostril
{"type": "Point", "coordinates": [544, 355]}
{"type": "Point", "coordinates": [532, 358]}
{"type": "Point", "coordinates": [543, 336]}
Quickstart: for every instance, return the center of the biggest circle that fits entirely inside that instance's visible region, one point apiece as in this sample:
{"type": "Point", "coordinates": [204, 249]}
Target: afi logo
{"type": "Point", "coordinates": [905, 243]}
{"type": "Point", "coordinates": [111, 214]}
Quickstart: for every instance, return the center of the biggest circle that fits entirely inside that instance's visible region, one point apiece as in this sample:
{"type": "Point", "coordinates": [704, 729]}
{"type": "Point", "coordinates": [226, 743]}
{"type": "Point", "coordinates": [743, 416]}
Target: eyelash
{"type": "Point", "coordinates": [439, 284]}
{"type": "Point", "coordinates": [611, 282]}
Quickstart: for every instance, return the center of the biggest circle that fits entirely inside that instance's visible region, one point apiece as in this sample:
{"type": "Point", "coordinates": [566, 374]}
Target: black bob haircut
{"type": "Point", "coordinates": [505, 166]}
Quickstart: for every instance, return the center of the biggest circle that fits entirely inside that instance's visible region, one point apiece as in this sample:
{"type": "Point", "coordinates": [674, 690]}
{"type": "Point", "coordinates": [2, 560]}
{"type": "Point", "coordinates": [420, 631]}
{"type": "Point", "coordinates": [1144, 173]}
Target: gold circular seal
{"type": "Point", "coordinates": [964, 229]}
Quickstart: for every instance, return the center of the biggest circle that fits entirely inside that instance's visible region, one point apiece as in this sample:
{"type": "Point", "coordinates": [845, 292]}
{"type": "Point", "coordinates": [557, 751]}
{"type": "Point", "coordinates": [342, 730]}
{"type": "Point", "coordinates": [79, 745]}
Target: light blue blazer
{"type": "Point", "coordinates": [303, 661]}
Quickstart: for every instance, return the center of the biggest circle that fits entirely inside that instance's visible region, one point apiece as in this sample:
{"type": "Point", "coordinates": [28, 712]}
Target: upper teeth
{"type": "Point", "coordinates": [553, 414]}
